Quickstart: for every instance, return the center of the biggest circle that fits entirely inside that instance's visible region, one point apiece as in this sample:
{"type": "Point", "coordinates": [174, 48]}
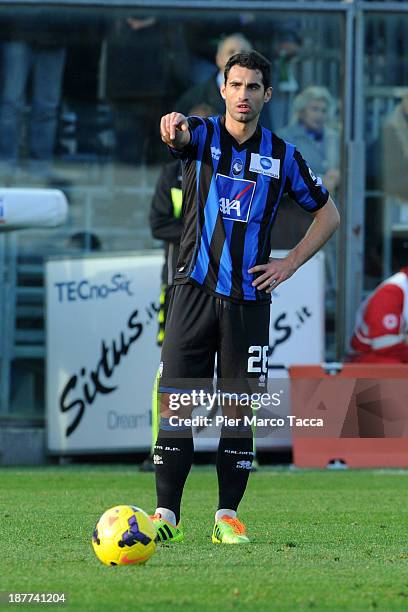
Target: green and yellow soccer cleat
{"type": "Point", "coordinates": [166, 532]}
{"type": "Point", "coordinates": [229, 530]}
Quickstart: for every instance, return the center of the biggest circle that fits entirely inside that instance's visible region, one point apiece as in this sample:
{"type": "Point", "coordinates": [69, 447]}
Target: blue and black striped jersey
{"type": "Point", "coordinates": [231, 194]}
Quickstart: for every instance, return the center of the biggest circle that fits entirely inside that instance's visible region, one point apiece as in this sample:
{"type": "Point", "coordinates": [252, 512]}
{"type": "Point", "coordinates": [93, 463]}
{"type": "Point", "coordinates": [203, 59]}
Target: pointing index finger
{"type": "Point", "coordinates": [172, 129]}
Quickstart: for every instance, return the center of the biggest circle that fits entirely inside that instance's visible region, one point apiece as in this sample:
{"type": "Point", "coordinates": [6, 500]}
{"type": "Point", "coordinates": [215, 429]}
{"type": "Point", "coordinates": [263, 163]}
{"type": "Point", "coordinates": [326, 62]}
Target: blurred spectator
{"type": "Point", "coordinates": [395, 153]}
{"type": "Point", "coordinates": [147, 65]}
{"type": "Point", "coordinates": [319, 143]}
{"type": "Point", "coordinates": [208, 92]}
{"type": "Point", "coordinates": [393, 215]}
{"type": "Point", "coordinates": [381, 331]}
{"type": "Point", "coordinates": [386, 171]}
{"type": "Point", "coordinates": [286, 48]}
{"type": "Point", "coordinates": [33, 52]}
{"type": "Point", "coordinates": [203, 37]}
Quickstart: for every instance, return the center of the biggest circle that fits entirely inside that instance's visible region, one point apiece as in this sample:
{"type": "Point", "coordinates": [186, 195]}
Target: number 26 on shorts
{"type": "Point", "coordinates": [258, 361]}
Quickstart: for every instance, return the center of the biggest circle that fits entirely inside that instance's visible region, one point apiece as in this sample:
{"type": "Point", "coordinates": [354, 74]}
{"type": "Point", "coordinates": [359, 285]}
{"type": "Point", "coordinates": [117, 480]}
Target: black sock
{"type": "Point", "coordinates": [173, 457]}
{"type": "Point", "coordinates": [234, 462]}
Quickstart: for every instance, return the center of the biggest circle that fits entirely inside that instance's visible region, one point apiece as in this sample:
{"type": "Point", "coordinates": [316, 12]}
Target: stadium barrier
{"type": "Point", "coordinates": [364, 410]}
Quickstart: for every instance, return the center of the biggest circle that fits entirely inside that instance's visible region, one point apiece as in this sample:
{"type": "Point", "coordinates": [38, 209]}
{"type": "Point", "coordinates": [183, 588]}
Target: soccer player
{"type": "Point", "coordinates": [234, 175]}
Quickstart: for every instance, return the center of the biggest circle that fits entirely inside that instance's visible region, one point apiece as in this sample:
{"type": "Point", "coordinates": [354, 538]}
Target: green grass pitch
{"type": "Point", "coordinates": [320, 541]}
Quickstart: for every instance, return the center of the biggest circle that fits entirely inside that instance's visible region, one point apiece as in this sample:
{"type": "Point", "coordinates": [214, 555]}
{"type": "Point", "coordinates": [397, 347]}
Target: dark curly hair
{"type": "Point", "coordinates": [253, 61]}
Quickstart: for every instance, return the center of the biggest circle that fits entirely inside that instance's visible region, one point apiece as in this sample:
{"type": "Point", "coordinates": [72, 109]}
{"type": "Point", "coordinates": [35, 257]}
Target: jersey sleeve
{"type": "Point", "coordinates": [198, 130]}
{"type": "Point", "coordinates": [303, 186]}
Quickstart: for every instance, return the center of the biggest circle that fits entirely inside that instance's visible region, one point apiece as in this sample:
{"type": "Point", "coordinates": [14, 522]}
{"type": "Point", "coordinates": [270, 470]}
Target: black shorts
{"type": "Point", "coordinates": [200, 326]}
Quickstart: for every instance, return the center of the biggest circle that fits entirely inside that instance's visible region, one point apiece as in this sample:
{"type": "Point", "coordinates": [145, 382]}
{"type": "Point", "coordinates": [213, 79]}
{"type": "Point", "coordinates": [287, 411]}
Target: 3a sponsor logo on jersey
{"type": "Point", "coordinates": [228, 207]}
{"type": "Point", "coordinates": [268, 166]}
{"type": "Point", "coordinates": [234, 197]}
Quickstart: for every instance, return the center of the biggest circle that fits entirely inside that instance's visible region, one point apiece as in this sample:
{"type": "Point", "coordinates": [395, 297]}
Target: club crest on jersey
{"type": "Point", "coordinates": [237, 166]}
{"type": "Point", "coordinates": [268, 166]}
{"type": "Point", "coordinates": [234, 197]}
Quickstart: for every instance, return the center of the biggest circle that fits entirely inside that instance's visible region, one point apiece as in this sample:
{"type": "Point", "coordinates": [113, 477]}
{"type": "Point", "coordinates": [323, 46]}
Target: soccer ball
{"type": "Point", "coordinates": [124, 535]}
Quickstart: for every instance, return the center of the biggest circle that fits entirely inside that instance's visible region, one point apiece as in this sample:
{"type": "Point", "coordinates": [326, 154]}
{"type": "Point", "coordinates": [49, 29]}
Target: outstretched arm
{"type": "Point", "coordinates": [326, 221]}
{"type": "Point", "coordinates": [174, 130]}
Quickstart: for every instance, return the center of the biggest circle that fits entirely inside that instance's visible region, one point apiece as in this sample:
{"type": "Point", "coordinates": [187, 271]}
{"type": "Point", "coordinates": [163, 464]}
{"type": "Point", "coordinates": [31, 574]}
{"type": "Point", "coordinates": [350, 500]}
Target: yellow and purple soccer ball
{"type": "Point", "coordinates": [124, 535]}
